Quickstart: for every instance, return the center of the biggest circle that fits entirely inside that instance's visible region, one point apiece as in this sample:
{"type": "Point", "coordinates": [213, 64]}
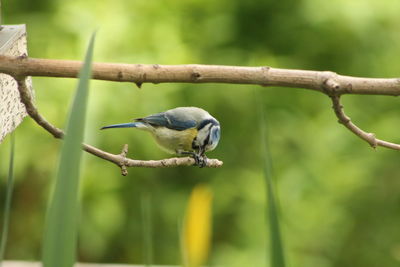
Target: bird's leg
{"type": "Point", "coordinates": [199, 158]}
{"type": "Point", "coordinates": [190, 153]}
{"type": "Point", "coordinates": [184, 153]}
{"type": "Point", "coordinates": [202, 161]}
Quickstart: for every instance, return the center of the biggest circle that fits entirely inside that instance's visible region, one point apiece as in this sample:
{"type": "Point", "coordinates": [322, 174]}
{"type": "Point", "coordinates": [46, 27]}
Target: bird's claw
{"type": "Point", "coordinates": [200, 160]}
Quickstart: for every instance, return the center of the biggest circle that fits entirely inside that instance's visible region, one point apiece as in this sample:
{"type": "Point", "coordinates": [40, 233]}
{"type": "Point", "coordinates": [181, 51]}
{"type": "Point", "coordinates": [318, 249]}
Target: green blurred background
{"type": "Point", "coordinates": [339, 199]}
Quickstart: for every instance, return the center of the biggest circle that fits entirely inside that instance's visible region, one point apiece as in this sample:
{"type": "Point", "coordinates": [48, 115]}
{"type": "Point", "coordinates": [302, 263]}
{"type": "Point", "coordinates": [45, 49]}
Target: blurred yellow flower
{"type": "Point", "coordinates": [196, 237]}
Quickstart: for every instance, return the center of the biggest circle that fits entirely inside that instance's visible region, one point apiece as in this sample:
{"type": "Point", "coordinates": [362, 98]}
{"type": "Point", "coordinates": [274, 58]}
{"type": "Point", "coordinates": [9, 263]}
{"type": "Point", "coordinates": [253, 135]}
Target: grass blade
{"type": "Point", "coordinates": [277, 252]}
{"type": "Point", "coordinates": [7, 205]}
{"type": "Point", "coordinates": [59, 247]}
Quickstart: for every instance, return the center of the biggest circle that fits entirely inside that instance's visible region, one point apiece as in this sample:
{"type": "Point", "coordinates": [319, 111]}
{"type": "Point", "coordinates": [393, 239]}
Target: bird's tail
{"type": "Point", "coordinates": [122, 125]}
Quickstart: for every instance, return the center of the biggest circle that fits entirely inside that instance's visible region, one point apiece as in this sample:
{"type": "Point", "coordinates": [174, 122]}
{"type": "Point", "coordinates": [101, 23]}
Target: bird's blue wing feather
{"type": "Point", "coordinates": [169, 121]}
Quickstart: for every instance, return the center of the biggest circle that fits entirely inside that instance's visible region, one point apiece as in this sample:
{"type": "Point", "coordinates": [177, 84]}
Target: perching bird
{"type": "Point", "coordinates": [182, 131]}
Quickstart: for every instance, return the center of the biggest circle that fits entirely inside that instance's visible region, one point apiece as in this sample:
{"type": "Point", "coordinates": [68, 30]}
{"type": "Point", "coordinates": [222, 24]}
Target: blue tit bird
{"type": "Point", "coordinates": [182, 131]}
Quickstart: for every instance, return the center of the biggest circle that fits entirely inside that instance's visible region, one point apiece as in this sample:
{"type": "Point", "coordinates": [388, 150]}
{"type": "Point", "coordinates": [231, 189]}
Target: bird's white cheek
{"type": "Point", "coordinates": [211, 147]}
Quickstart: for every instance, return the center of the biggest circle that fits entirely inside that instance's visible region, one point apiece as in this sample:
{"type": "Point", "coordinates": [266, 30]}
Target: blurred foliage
{"type": "Point", "coordinates": [339, 198]}
{"type": "Point", "coordinates": [7, 202]}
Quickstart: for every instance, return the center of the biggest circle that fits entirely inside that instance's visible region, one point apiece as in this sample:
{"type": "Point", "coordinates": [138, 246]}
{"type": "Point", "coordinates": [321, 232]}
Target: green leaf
{"type": "Point", "coordinates": [59, 247]}
{"type": "Point", "coordinates": [7, 205]}
{"type": "Point", "coordinates": [277, 252]}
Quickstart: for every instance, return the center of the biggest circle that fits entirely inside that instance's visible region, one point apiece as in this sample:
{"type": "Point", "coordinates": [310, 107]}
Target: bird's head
{"type": "Point", "coordinates": [209, 133]}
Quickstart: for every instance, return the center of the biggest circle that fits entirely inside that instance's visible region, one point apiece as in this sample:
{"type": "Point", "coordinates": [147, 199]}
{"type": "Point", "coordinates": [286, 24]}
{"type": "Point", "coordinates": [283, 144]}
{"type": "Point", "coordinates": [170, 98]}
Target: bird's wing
{"type": "Point", "coordinates": [169, 120]}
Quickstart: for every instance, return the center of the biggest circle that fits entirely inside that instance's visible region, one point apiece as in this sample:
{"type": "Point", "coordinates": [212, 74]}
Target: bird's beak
{"type": "Point", "coordinates": [122, 125]}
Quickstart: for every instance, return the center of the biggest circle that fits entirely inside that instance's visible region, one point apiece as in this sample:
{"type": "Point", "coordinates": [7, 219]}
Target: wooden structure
{"type": "Point", "coordinates": [12, 111]}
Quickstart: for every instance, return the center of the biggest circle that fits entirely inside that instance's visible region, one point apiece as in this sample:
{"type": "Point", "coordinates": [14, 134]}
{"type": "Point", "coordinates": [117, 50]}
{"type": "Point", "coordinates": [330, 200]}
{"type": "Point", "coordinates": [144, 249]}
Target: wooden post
{"type": "Point", "coordinates": [12, 111]}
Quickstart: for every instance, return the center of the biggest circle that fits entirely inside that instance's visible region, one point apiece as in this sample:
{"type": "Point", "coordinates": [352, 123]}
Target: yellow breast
{"type": "Point", "coordinates": [173, 141]}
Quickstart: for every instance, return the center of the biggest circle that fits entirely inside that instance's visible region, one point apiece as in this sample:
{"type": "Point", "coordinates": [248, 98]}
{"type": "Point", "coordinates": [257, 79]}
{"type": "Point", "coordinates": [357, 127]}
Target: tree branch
{"type": "Point", "coordinates": [346, 121]}
{"type": "Point", "coordinates": [27, 100]}
{"type": "Point", "coordinates": [120, 160]}
{"type": "Point", "coordinates": [153, 73]}
{"type": "Point", "coordinates": [326, 82]}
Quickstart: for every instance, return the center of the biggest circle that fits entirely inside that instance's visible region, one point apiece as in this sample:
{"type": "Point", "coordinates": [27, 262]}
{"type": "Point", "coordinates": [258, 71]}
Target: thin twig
{"type": "Point", "coordinates": [153, 73]}
{"type": "Point", "coordinates": [27, 100]}
{"type": "Point", "coordinates": [346, 121]}
{"type": "Point", "coordinates": [119, 159]}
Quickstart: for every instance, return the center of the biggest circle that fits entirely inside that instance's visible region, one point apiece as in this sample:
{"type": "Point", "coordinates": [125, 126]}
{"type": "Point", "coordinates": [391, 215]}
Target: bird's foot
{"type": "Point", "coordinates": [200, 160]}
